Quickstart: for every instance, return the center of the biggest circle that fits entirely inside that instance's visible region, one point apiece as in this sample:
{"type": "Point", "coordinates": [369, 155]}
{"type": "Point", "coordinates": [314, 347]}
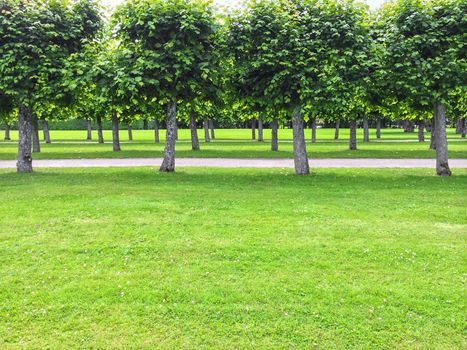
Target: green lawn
{"type": "Point", "coordinates": [237, 144]}
{"type": "Point", "coordinates": [232, 259]}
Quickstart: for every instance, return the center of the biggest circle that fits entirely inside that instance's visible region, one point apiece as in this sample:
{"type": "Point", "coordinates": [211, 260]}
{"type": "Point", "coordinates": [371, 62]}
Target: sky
{"type": "Point", "coordinates": [372, 3]}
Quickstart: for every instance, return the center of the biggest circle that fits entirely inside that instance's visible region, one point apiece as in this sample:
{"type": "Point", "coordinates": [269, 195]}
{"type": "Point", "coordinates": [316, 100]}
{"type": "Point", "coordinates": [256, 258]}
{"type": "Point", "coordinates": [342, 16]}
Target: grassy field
{"type": "Point", "coordinates": [238, 144]}
{"type": "Point", "coordinates": [232, 259]}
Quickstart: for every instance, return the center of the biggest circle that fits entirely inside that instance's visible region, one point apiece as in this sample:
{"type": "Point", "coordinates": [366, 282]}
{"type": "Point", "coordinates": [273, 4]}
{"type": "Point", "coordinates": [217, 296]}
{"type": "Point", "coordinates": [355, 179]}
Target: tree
{"type": "Point", "coordinates": [175, 42]}
{"type": "Point", "coordinates": [425, 58]}
{"type": "Point", "coordinates": [36, 38]}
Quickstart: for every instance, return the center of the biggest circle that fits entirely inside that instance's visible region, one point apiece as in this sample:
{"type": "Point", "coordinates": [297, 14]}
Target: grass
{"type": "Point", "coordinates": [232, 259]}
{"type": "Point", "coordinates": [237, 144]}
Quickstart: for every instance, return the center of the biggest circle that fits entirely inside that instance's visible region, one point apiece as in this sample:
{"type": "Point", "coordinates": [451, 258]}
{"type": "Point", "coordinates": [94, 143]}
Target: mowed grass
{"type": "Point", "coordinates": [232, 259]}
{"type": "Point", "coordinates": [237, 143]}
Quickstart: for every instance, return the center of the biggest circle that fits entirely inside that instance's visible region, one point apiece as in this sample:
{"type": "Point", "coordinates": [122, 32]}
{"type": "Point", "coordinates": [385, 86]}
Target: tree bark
{"type": "Point", "coordinates": [442, 166]}
{"type": "Point", "coordinates": [366, 130]}
{"type": "Point", "coordinates": [274, 138]}
{"type": "Point", "coordinates": [36, 145]}
{"type": "Point", "coordinates": [313, 129]}
{"type": "Point", "coordinates": [145, 124]}
{"type": "Point", "coordinates": [130, 133]}
{"type": "Point", "coordinates": [156, 131]}
{"type": "Point", "coordinates": [460, 126]}
{"type": "Point", "coordinates": [433, 134]}
{"type": "Point", "coordinates": [168, 164]}
{"type": "Point", "coordinates": [464, 127]}
{"type": "Point", "coordinates": [24, 164]}
{"type": "Point", "coordinates": [7, 132]}
{"type": "Point", "coordinates": [253, 129]}
{"type": "Point", "coordinates": [100, 134]}
{"type": "Point", "coordinates": [211, 126]}
{"type": "Point", "coordinates": [194, 132]}
{"type": "Point", "coordinates": [115, 132]}
{"type": "Point", "coordinates": [176, 131]}
{"type": "Point", "coordinates": [89, 130]}
{"type": "Point", "coordinates": [260, 129]}
{"type": "Point", "coordinates": [45, 130]}
{"type": "Point", "coordinates": [378, 128]}
{"type": "Point", "coordinates": [353, 135]}
{"type": "Point", "coordinates": [421, 131]}
{"type": "Point", "coordinates": [336, 133]}
{"type": "Point", "coordinates": [302, 166]}
{"type": "Point", "coordinates": [206, 130]}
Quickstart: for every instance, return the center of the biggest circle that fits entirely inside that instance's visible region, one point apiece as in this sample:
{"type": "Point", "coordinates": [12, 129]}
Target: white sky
{"type": "Point", "coordinates": [372, 3]}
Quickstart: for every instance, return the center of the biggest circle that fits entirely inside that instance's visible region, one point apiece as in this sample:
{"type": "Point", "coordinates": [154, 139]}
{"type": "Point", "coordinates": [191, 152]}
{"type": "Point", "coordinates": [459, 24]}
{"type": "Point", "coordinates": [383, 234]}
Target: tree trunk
{"type": "Point", "coordinates": [378, 128]}
{"type": "Point", "coordinates": [130, 133]}
{"type": "Point", "coordinates": [156, 131]}
{"type": "Point", "coordinates": [464, 127]}
{"type": "Point", "coordinates": [24, 164]}
{"type": "Point", "coordinates": [421, 131]}
{"type": "Point", "coordinates": [7, 132]}
{"type": "Point", "coordinates": [274, 138]}
{"type": "Point", "coordinates": [260, 129]}
{"type": "Point", "coordinates": [366, 130]}
{"type": "Point", "coordinates": [313, 129]}
{"type": "Point", "coordinates": [36, 145]}
{"type": "Point", "coordinates": [145, 124]}
{"type": "Point", "coordinates": [442, 166]}
{"type": "Point", "coordinates": [100, 134]}
{"type": "Point", "coordinates": [115, 133]}
{"type": "Point", "coordinates": [460, 126]}
{"type": "Point", "coordinates": [176, 131]}
{"type": "Point", "coordinates": [194, 132]}
{"type": "Point", "coordinates": [45, 129]}
{"type": "Point", "coordinates": [206, 130]}
{"type": "Point", "coordinates": [253, 129]}
{"type": "Point", "coordinates": [299, 146]}
{"type": "Point", "coordinates": [168, 164]}
{"type": "Point", "coordinates": [336, 133]}
{"type": "Point", "coordinates": [211, 126]}
{"type": "Point", "coordinates": [353, 135]}
{"type": "Point", "coordinates": [89, 130]}
{"type": "Point", "coordinates": [433, 134]}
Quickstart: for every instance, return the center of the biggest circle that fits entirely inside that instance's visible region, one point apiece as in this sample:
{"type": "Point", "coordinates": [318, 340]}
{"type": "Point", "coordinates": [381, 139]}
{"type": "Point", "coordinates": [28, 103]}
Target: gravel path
{"type": "Point", "coordinates": [237, 163]}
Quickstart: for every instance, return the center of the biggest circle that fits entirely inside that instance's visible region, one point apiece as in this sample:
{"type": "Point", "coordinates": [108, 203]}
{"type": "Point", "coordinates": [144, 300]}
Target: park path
{"type": "Point", "coordinates": [236, 163]}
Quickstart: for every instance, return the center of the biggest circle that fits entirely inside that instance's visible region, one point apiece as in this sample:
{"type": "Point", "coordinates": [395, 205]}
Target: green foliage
{"type": "Point", "coordinates": [425, 48]}
{"type": "Point", "coordinates": [36, 38]}
{"type": "Point", "coordinates": [175, 46]}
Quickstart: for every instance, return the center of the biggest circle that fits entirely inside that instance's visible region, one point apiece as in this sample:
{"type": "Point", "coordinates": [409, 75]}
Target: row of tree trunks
{"type": "Point", "coordinates": [206, 130]}
{"type": "Point", "coordinates": [194, 132]}
{"type": "Point", "coordinates": [302, 166]}
{"type": "Point", "coordinates": [366, 130]}
{"type": "Point", "coordinates": [274, 136]}
{"type": "Point", "coordinates": [115, 132]}
{"type": "Point", "coordinates": [168, 164]}
{"type": "Point", "coordinates": [336, 132]}
{"type": "Point", "coordinates": [408, 125]}
{"type": "Point", "coordinates": [25, 120]}
{"type": "Point", "coordinates": [46, 131]}
{"type": "Point", "coordinates": [7, 132]}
